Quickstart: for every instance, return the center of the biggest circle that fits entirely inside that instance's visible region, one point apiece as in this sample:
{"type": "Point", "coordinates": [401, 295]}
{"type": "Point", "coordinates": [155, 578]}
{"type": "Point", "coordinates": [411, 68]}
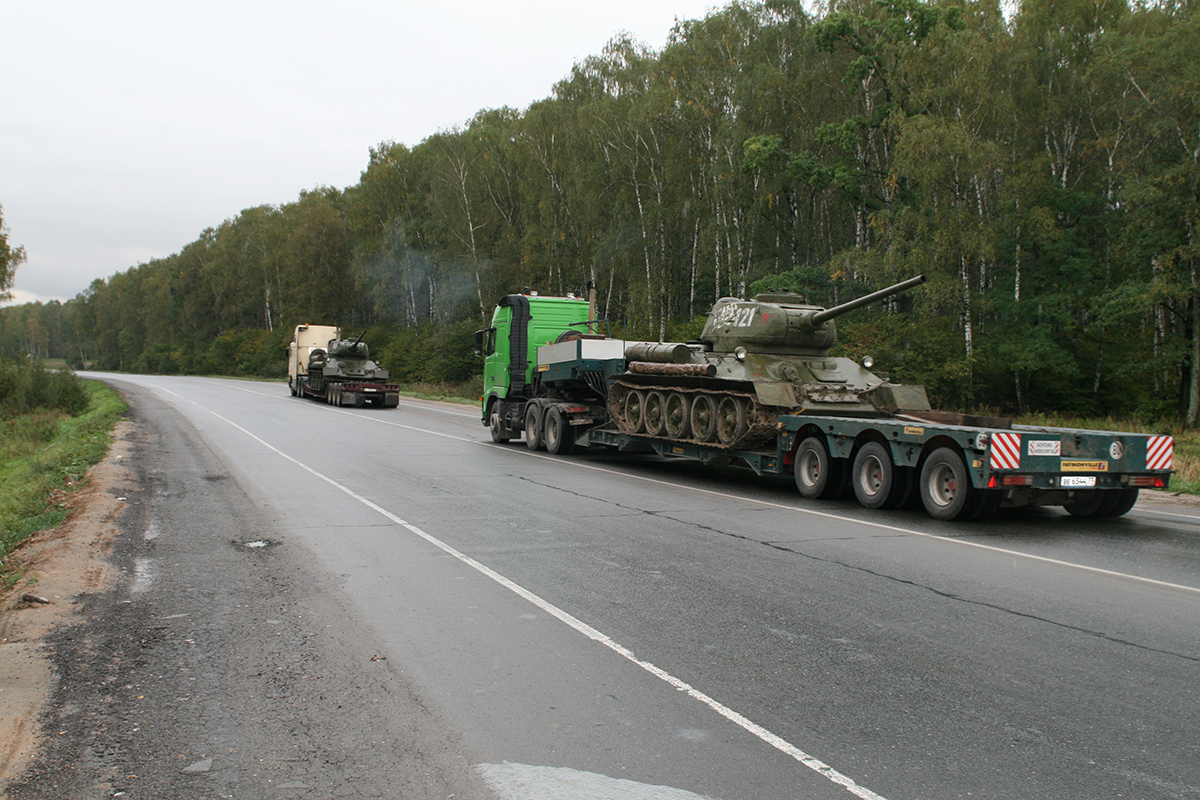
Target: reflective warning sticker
{"type": "Point", "coordinates": [1160, 451]}
{"type": "Point", "coordinates": [1006, 451]}
{"type": "Point", "coordinates": [1045, 447]}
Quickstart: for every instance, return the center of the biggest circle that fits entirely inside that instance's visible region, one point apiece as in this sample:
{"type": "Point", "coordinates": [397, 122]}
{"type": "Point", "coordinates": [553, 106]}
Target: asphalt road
{"type": "Point", "coordinates": [327, 602]}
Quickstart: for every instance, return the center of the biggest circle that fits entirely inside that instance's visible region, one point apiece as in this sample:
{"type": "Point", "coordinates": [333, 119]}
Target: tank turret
{"type": "Point", "coordinates": [345, 360]}
{"type": "Point", "coordinates": [756, 359]}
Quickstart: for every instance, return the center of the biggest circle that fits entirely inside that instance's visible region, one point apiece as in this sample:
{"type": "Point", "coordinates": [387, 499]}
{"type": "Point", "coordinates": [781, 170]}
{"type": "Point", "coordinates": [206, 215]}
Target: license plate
{"type": "Point", "coordinates": [581, 421]}
{"type": "Point", "coordinates": [1078, 481]}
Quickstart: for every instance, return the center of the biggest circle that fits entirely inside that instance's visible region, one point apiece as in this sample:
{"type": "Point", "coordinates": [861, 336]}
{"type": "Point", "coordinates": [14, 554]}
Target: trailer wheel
{"type": "Point", "coordinates": [703, 418]}
{"type": "Point", "coordinates": [946, 486]}
{"type": "Point", "coordinates": [675, 415]}
{"type": "Point", "coordinates": [557, 432]}
{"type": "Point", "coordinates": [1118, 503]}
{"type": "Point", "coordinates": [873, 475]}
{"type": "Point", "coordinates": [731, 420]}
{"type": "Point", "coordinates": [818, 475]}
{"type": "Point", "coordinates": [533, 426]}
{"type": "Point", "coordinates": [496, 426]}
{"type": "Point", "coordinates": [1086, 503]}
{"type": "Point", "coordinates": [655, 413]}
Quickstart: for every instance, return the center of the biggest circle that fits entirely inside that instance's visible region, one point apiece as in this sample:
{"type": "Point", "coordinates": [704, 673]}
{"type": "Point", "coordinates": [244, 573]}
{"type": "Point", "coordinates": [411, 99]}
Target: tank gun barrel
{"type": "Point", "coordinates": [829, 313]}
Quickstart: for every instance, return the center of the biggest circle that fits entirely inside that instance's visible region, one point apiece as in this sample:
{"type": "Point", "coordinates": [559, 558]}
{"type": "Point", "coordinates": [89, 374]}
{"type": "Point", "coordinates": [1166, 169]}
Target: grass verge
{"type": "Point", "coordinates": [44, 455]}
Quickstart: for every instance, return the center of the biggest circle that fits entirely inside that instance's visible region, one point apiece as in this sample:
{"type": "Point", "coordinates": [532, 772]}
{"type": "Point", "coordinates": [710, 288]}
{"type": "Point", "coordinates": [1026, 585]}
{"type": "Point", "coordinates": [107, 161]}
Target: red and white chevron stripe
{"type": "Point", "coordinates": [1160, 451]}
{"type": "Point", "coordinates": [1006, 451]}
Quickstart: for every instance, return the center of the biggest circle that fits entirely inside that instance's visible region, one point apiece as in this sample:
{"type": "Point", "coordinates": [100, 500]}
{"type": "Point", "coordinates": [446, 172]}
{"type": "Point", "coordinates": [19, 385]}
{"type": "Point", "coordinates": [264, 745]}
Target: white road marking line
{"type": "Point", "coordinates": [753, 728]}
{"type": "Point", "coordinates": [827, 515]}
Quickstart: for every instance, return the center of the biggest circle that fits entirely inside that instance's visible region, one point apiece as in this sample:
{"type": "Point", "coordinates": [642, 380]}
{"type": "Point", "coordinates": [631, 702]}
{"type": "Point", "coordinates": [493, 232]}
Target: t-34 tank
{"type": "Point", "coordinates": [344, 360]}
{"type": "Point", "coordinates": [756, 359]}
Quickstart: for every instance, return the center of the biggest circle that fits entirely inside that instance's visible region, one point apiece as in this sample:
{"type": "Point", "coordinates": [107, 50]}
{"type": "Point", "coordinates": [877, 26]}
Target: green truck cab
{"type": "Point", "coordinates": [520, 324]}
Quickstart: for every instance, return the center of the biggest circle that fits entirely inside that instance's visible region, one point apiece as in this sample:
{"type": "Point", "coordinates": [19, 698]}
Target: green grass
{"type": "Point", "coordinates": [1187, 441]}
{"type": "Point", "coordinates": [45, 454]}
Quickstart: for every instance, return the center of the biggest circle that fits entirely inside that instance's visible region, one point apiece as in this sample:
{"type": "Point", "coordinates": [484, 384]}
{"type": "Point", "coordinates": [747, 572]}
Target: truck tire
{"type": "Point", "coordinates": [873, 476]}
{"type": "Point", "coordinates": [1118, 503]}
{"type": "Point", "coordinates": [946, 490]}
{"type": "Point", "coordinates": [1087, 503]}
{"type": "Point", "coordinates": [533, 426]}
{"type": "Point", "coordinates": [556, 430]}
{"type": "Point", "coordinates": [292, 387]}
{"type": "Point", "coordinates": [818, 475]}
{"type": "Point", "coordinates": [496, 425]}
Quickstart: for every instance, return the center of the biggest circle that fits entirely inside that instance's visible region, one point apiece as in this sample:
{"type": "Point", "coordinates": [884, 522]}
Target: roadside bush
{"type": "Point", "coordinates": [25, 386]}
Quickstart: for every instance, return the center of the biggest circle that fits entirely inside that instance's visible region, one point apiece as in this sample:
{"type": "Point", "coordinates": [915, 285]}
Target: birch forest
{"type": "Point", "coordinates": [1039, 162]}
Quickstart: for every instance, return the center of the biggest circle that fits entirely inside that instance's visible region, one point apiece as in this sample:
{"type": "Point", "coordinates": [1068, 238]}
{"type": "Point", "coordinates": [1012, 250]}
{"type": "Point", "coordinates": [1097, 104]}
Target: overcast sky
{"type": "Point", "coordinates": [127, 128]}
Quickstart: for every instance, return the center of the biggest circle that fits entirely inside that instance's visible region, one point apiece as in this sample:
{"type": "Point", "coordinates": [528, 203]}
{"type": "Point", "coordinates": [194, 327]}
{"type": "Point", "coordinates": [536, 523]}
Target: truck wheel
{"type": "Point", "coordinates": [496, 426]}
{"type": "Point", "coordinates": [675, 415]}
{"type": "Point", "coordinates": [655, 413]}
{"type": "Point", "coordinates": [1118, 503]}
{"type": "Point", "coordinates": [533, 426]}
{"type": "Point", "coordinates": [1087, 503]}
{"type": "Point", "coordinates": [292, 387]}
{"type": "Point", "coordinates": [731, 420]}
{"type": "Point", "coordinates": [818, 475]}
{"type": "Point", "coordinates": [560, 440]}
{"type": "Point", "coordinates": [703, 418]}
{"type": "Point", "coordinates": [946, 486]}
{"type": "Point", "coordinates": [873, 475]}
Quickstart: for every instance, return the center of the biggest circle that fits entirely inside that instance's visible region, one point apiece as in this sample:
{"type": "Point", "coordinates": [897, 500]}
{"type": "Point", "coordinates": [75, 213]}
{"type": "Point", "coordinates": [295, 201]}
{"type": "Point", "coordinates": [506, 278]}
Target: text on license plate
{"type": "Point", "coordinates": [1077, 480]}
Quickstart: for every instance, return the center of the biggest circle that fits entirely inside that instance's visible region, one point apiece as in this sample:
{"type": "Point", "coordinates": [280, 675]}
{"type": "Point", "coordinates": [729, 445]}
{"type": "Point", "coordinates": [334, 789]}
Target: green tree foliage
{"type": "Point", "coordinates": [1043, 170]}
{"type": "Point", "coordinates": [11, 257]}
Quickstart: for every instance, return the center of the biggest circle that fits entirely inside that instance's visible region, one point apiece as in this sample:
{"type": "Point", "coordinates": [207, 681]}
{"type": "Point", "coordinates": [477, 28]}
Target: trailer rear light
{"type": "Point", "coordinates": [1017, 480]}
{"type": "Point", "coordinates": [1153, 481]}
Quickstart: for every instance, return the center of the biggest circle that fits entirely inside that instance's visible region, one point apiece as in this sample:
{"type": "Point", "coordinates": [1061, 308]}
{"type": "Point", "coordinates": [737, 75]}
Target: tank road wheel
{"type": "Point", "coordinates": [533, 426]}
{"type": "Point", "coordinates": [556, 430]}
{"type": "Point", "coordinates": [635, 411]}
{"type": "Point", "coordinates": [675, 415]}
{"type": "Point", "coordinates": [946, 487]}
{"type": "Point", "coordinates": [655, 413]}
{"type": "Point", "coordinates": [818, 475]}
{"type": "Point", "coordinates": [874, 475]}
{"type": "Point", "coordinates": [496, 425]}
{"type": "Point", "coordinates": [703, 418]}
{"type": "Point", "coordinates": [731, 420]}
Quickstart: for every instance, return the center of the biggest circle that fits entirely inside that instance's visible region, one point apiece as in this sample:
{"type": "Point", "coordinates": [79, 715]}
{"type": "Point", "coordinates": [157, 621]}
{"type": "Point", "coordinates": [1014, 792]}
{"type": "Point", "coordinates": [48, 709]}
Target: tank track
{"type": "Point", "coordinates": [730, 419]}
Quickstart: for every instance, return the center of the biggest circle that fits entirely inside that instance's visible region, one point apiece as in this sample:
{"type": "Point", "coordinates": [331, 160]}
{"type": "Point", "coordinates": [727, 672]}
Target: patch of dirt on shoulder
{"type": "Point", "coordinates": [56, 566]}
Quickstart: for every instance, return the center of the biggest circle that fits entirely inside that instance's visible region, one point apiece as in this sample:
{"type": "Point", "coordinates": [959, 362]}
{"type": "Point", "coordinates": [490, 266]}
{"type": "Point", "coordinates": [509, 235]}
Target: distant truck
{"type": "Point", "coordinates": [324, 366]}
{"type": "Point", "coordinates": [761, 389]}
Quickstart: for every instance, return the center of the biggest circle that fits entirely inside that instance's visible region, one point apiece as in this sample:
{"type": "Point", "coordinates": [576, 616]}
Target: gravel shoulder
{"type": "Point", "coordinates": [191, 648]}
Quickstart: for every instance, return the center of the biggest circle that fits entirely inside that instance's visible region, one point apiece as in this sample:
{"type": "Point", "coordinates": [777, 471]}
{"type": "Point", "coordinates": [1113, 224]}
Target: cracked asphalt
{"type": "Point", "coordinates": [219, 666]}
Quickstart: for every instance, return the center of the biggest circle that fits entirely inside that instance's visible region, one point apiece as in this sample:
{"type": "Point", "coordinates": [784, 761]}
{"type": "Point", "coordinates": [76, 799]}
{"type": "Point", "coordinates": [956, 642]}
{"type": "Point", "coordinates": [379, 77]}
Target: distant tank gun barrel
{"type": "Point", "coordinates": [658, 352]}
{"type": "Point", "coordinates": [829, 313]}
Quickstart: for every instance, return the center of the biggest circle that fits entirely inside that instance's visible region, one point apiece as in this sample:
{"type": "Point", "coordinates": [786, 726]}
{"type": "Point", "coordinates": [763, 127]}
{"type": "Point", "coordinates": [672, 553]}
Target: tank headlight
{"type": "Point", "coordinates": [740, 354]}
{"type": "Point", "coordinates": [868, 362]}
